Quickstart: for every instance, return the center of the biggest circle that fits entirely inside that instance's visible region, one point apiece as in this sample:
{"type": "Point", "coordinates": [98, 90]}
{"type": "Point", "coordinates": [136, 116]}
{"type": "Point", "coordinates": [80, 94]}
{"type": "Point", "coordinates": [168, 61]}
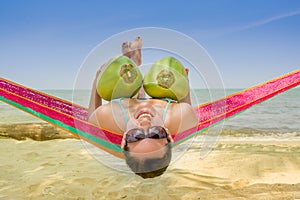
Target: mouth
{"type": "Point", "coordinates": [144, 114]}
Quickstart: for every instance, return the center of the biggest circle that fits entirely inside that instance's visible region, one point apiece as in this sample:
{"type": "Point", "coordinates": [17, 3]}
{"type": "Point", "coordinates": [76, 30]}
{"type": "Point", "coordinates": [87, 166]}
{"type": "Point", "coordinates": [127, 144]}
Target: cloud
{"type": "Point", "coordinates": [267, 20]}
{"type": "Point", "coordinates": [221, 31]}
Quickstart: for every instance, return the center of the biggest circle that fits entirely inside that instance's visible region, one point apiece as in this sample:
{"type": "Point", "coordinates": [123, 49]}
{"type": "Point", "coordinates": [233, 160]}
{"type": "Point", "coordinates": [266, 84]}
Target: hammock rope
{"type": "Point", "coordinates": [73, 118]}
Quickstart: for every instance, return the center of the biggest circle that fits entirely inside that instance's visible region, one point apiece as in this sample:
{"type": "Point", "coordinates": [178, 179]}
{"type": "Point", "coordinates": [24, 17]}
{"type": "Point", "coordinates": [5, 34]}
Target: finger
{"type": "Point", "coordinates": [187, 71]}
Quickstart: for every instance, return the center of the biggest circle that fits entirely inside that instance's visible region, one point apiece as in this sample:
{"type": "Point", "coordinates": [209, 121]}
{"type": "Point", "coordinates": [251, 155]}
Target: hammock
{"type": "Point", "coordinates": [73, 118]}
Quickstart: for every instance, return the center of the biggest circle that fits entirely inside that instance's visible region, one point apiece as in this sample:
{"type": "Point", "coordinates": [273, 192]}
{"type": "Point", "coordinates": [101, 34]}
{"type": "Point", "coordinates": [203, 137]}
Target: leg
{"type": "Point", "coordinates": [136, 47]}
{"type": "Point", "coordinates": [133, 51]}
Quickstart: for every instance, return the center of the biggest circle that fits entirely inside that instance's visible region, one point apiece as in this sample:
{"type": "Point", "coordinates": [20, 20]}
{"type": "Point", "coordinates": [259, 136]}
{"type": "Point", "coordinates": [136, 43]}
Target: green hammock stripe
{"type": "Point", "coordinates": [82, 134]}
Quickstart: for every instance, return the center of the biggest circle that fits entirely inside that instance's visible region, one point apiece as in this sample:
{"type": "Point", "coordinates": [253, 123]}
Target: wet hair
{"type": "Point", "coordinates": [149, 168]}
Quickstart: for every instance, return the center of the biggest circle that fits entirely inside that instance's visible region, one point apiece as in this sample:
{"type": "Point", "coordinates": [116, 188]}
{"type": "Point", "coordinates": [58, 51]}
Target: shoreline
{"type": "Point", "coordinates": [41, 131]}
{"type": "Point", "coordinates": [35, 131]}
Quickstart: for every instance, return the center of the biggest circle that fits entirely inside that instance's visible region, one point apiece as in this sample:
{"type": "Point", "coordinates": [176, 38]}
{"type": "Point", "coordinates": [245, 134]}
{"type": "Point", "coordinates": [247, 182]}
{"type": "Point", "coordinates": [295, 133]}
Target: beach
{"type": "Point", "coordinates": [63, 169]}
{"type": "Point", "coordinates": [255, 155]}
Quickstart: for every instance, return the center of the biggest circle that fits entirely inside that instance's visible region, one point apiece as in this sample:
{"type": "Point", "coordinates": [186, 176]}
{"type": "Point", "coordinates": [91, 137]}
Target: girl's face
{"type": "Point", "coordinates": [144, 117]}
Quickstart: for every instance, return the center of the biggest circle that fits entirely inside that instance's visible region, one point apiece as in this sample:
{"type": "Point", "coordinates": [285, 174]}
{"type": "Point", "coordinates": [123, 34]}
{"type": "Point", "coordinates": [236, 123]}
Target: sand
{"type": "Point", "coordinates": [63, 169]}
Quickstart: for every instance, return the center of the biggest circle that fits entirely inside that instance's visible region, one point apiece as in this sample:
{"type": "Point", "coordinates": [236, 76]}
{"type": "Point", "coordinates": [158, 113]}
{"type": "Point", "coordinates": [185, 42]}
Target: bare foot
{"type": "Point", "coordinates": [136, 47]}
{"type": "Point", "coordinates": [133, 50]}
{"type": "Point", "coordinates": [126, 51]}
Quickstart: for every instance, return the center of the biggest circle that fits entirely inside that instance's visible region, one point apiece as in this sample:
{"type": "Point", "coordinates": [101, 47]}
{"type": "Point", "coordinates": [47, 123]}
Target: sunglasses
{"type": "Point", "coordinates": [137, 134]}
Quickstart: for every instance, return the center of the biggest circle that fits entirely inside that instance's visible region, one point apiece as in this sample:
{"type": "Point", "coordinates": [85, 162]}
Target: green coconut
{"type": "Point", "coordinates": [119, 78]}
{"type": "Point", "coordinates": [167, 78]}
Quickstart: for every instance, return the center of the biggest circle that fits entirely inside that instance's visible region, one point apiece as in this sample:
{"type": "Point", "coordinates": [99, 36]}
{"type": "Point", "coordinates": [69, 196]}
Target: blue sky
{"type": "Point", "coordinates": [44, 43]}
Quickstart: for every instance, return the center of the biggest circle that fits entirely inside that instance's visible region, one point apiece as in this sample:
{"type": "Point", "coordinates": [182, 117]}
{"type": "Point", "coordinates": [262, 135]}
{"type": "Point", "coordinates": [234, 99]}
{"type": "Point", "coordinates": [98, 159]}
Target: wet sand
{"type": "Point", "coordinates": [36, 131]}
{"type": "Point", "coordinates": [63, 169]}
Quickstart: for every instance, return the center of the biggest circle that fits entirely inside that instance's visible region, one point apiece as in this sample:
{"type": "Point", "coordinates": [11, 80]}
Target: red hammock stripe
{"type": "Point", "coordinates": [209, 114]}
{"type": "Point", "coordinates": [219, 110]}
{"type": "Point", "coordinates": [63, 117]}
{"type": "Point", "coordinates": [53, 102]}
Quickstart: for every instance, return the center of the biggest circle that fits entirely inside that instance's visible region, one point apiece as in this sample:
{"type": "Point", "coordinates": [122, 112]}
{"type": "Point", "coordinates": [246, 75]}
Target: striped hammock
{"type": "Point", "coordinates": [73, 118]}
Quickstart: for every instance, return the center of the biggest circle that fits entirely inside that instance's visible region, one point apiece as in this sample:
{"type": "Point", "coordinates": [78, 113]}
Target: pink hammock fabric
{"type": "Point", "coordinates": [73, 118]}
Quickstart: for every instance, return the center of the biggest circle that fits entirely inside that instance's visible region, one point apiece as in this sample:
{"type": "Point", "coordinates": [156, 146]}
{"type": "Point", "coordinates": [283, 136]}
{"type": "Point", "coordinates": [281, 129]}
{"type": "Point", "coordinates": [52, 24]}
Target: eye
{"type": "Point", "coordinates": [157, 132]}
{"type": "Point", "coordinates": [139, 136]}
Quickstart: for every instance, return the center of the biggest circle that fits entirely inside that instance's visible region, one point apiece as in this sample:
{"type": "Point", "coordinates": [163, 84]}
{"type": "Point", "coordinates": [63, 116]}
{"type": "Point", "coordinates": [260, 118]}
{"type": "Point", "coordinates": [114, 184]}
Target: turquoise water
{"type": "Point", "coordinates": [281, 114]}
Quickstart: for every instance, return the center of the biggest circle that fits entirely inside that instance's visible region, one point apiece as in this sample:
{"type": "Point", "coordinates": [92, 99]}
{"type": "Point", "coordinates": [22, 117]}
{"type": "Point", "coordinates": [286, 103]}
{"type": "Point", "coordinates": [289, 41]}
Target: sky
{"type": "Point", "coordinates": [43, 44]}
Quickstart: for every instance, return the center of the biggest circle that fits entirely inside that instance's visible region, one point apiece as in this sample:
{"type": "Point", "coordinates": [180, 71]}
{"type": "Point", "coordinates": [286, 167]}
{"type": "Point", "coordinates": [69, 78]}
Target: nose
{"type": "Point", "coordinates": [145, 124]}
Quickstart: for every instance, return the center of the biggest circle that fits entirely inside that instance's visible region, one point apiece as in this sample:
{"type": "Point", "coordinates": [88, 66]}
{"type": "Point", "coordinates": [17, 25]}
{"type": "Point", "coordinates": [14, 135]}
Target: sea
{"type": "Point", "coordinates": [278, 115]}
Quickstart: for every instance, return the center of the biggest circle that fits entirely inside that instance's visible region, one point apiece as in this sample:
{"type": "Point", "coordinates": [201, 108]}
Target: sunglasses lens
{"type": "Point", "coordinates": [135, 135]}
{"type": "Point", "coordinates": [157, 132]}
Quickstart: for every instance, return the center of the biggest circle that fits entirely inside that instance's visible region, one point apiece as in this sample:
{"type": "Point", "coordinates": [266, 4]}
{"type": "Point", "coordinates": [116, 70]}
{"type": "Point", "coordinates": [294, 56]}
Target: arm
{"type": "Point", "coordinates": [95, 99]}
{"type": "Point", "coordinates": [189, 117]}
{"type": "Point", "coordinates": [133, 51]}
{"type": "Point", "coordinates": [180, 117]}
